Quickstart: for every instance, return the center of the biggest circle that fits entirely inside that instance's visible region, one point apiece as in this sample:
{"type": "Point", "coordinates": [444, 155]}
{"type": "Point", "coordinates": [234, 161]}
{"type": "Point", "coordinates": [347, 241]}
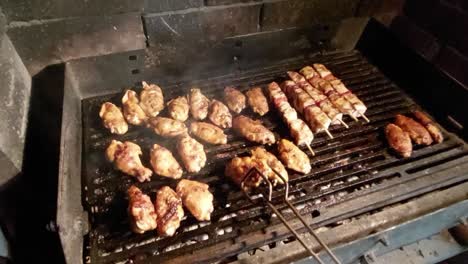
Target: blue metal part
{"type": "Point", "coordinates": [371, 247]}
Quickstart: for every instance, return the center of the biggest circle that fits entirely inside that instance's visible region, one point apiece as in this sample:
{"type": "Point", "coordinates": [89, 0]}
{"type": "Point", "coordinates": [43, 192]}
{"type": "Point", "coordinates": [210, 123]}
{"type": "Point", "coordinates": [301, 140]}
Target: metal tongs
{"type": "Point", "coordinates": [292, 207]}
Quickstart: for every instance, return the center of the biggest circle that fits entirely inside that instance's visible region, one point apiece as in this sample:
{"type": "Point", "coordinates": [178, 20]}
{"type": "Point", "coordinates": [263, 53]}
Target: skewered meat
{"type": "Point", "coordinates": [192, 153]}
{"type": "Point", "coordinates": [113, 118]}
{"type": "Point", "coordinates": [293, 157]}
{"type": "Point", "coordinates": [140, 211]}
{"type": "Point", "coordinates": [430, 126]}
{"type": "Point", "coordinates": [257, 101]}
{"type": "Point", "coordinates": [208, 132]}
{"type": "Point", "coordinates": [273, 162]}
{"type": "Point", "coordinates": [253, 130]}
{"type": "Point", "coordinates": [238, 168]}
{"type": "Point", "coordinates": [169, 210]}
{"type": "Point", "coordinates": [132, 110]}
{"type": "Point", "coordinates": [220, 115]}
{"type": "Point", "coordinates": [358, 105]}
{"type": "Point", "coordinates": [196, 198]}
{"type": "Point", "coordinates": [235, 100]}
{"type": "Point", "coordinates": [324, 72]}
{"type": "Point", "coordinates": [164, 163]}
{"type": "Point", "coordinates": [199, 104]}
{"type": "Point", "coordinates": [151, 99]}
{"type": "Point", "coordinates": [126, 157]}
{"type": "Point", "coordinates": [398, 140]}
{"type": "Point", "coordinates": [179, 108]}
{"type": "Point", "coordinates": [415, 130]}
{"type": "Point", "coordinates": [167, 127]}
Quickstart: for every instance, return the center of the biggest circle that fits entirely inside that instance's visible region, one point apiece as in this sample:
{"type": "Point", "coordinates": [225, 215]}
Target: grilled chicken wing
{"type": "Point", "coordinates": [199, 104]}
{"type": "Point", "coordinates": [179, 108]}
{"type": "Point", "coordinates": [399, 140]}
{"type": "Point", "coordinates": [113, 118]}
{"type": "Point", "coordinates": [132, 110]}
{"type": "Point", "coordinates": [126, 157]}
{"type": "Point", "coordinates": [196, 198]}
{"type": "Point", "coordinates": [151, 99]}
{"type": "Point", "coordinates": [208, 132]}
{"type": "Point", "coordinates": [192, 153]}
{"type": "Point", "coordinates": [430, 126]}
{"type": "Point", "coordinates": [235, 100]}
{"type": "Point", "coordinates": [415, 130]}
{"type": "Point", "coordinates": [257, 101]}
{"type": "Point", "coordinates": [167, 127]}
{"type": "Point", "coordinates": [140, 211]}
{"type": "Point", "coordinates": [220, 115]}
{"type": "Point", "coordinates": [164, 163]}
{"type": "Point", "coordinates": [253, 130]}
{"type": "Point", "coordinates": [238, 168]}
{"type": "Point", "coordinates": [273, 162]}
{"type": "Point", "coordinates": [293, 157]}
{"type": "Point", "coordinates": [169, 210]}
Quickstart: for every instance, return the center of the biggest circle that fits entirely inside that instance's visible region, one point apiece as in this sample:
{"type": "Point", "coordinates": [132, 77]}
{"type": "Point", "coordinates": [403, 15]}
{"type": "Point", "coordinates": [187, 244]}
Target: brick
{"type": "Point", "coordinates": [43, 43]}
{"type": "Point", "coordinates": [26, 10]}
{"type": "Point", "coordinates": [415, 37]}
{"type": "Point", "coordinates": [454, 63]}
{"type": "Point", "coordinates": [171, 5]}
{"type": "Point", "coordinates": [298, 13]}
{"type": "Point", "coordinates": [227, 2]}
{"type": "Point", "coordinates": [203, 25]}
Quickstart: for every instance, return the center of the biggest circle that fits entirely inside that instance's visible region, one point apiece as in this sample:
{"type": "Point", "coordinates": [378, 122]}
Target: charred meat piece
{"type": "Point", "coordinates": [257, 101]}
{"type": "Point", "coordinates": [199, 104]}
{"type": "Point", "coordinates": [192, 153]}
{"type": "Point", "coordinates": [398, 140]}
{"type": "Point", "coordinates": [167, 127]}
{"type": "Point", "coordinates": [208, 133]}
{"type": "Point", "coordinates": [293, 157]}
{"type": "Point", "coordinates": [113, 118]}
{"type": "Point", "coordinates": [430, 126]}
{"type": "Point", "coordinates": [169, 210]}
{"type": "Point", "coordinates": [140, 211]}
{"type": "Point", "coordinates": [238, 168]}
{"type": "Point", "coordinates": [132, 110]}
{"type": "Point", "coordinates": [164, 163]}
{"type": "Point", "coordinates": [273, 162]}
{"type": "Point", "coordinates": [179, 108]}
{"type": "Point", "coordinates": [126, 157]}
{"type": "Point", "coordinates": [220, 115]}
{"type": "Point", "coordinates": [234, 99]}
{"type": "Point", "coordinates": [416, 131]}
{"type": "Point", "coordinates": [151, 99]}
{"type": "Point", "coordinates": [253, 130]}
{"type": "Point", "coordinates": [196, 198]}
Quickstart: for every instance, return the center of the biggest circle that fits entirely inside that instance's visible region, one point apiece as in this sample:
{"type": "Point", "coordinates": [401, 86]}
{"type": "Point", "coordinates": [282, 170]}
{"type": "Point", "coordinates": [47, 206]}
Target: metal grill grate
{"type": "Point", "coordinates": [352, 164]}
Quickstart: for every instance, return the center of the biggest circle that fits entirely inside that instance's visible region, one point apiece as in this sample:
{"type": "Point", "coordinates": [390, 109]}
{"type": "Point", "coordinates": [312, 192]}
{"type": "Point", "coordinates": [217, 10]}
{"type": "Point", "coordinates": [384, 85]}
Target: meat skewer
{"type": "Point", "coordinates": [293, 157]}
{"type": "Point", "coordinates": [199, 104]}
{"type": "Point", "coordinates": [113, 119]}
{"type": "Point", "coordinates": [151, 99]}
{"type": "Point", "coordinates": [208, 133]}
{"type": "Point", "coordinates": [416, 131]}
{"type": "Point", "coordinates": [257, 101]}
{"type": "Point", "coordinates": [192, 153]}
{"type": "Point", "coordinates": [253, 130]}
{"type": "Point", "coordinates": [319, 98]}
{"type": "Point", "coordinates": [179, 108]}
{"type": "Point", "coordinates": [164, 163]}
{"type": "Point", "coordinates": [430, 126]}
{"type": "Point", "coordinates": [197, 198]}
{"type": "Point", "coordinates": [341, 89]}
{"type": "Point", "coordinates": [317, 119]}
{"type": "Point", "coordinates": [132, 111]}
{"type": "Point", "coordinates": [235, 100]}
{"type": "Point", "coordinates": [126, 157]}
{"type": "Point", "coordinates": [140, 211]}
{"type": "Point", "coordinates": [398, 140]}
{"type": "Point", "coordinates": [300, 132]}
{"type": "Point", "coordinates": [168, 206]}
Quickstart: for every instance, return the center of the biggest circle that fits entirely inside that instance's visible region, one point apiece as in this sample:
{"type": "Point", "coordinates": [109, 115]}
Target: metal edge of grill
{"type": "Point", "coordinates": [395, 170]}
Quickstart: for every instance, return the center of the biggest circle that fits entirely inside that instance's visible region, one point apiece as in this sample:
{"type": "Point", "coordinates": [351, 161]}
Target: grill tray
{"type": "Point", "coordinates": [357, 161]}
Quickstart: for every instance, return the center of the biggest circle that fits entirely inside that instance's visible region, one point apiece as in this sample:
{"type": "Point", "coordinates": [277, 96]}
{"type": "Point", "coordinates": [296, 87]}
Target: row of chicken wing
{"type": "Point", "coordinates": [167, 212]}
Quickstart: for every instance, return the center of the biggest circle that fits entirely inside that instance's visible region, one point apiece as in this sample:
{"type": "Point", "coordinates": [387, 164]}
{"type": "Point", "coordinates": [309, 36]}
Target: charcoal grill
{"type": "Point", "coordinates": [354, 174]}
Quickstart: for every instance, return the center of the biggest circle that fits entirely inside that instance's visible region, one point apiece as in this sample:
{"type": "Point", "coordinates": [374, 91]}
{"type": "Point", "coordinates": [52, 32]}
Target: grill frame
{"type": "Point", "coordinates": [71, 148]}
